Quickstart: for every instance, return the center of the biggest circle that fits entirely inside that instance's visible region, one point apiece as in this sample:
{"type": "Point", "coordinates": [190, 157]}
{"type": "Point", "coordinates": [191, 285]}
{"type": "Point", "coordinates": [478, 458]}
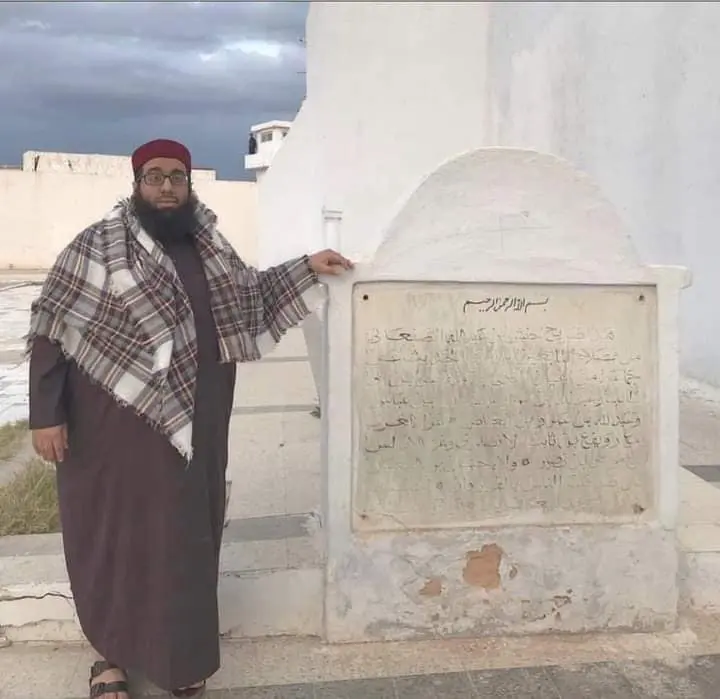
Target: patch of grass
{"type": "Point", "coordinates": [28, 503]}
{"type": "Point", "coordinates": [12, 436]}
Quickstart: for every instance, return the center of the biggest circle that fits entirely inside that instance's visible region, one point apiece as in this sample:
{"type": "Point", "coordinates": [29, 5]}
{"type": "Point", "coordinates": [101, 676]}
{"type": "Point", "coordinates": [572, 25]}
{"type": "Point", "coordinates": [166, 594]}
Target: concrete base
{"type": "Point", "coordinates": [271, 583]}
{"type": "Point", "coordinates": [700, 581]}
{"type": "Point", "coordinates": [271, 603]}
{"type": "Point", "coordinates": [699, 538]}
{"type": "Point", "coordinates": [511, 581]}
{"type": "Point", "coordinates": [43, 609]}
{"type": "Point", "coordinates": [271, 587]}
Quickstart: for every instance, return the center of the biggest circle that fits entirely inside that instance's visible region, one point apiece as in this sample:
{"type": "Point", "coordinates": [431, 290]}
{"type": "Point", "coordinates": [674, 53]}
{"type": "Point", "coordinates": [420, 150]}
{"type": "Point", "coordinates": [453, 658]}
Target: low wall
{"type": "Point", "coordinates": [42, 211]}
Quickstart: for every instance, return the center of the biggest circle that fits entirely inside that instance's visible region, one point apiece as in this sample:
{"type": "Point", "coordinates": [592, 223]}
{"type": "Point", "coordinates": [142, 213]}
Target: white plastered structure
{"type": "Point", "coordinates": [585, 577]}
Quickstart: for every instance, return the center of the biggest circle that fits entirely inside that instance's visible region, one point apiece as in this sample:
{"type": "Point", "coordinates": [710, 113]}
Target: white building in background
{"type": "Point", "coordinates": [628, 92]}
{"type": "Point", "coordinates": [265, 141]}
{"type": "Point", "coordinates": [53, 196]}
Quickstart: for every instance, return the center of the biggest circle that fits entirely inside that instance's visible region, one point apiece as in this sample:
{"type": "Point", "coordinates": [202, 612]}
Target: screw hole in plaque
{"type": "Point", "coordinates": [641, 298]}
{"type": "Point", "coordinates": [365, 297]}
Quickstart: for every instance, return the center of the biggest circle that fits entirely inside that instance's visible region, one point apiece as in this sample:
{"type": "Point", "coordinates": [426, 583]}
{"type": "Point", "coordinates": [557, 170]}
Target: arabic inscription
{"type": "Point", "coordinates": [485, 403]}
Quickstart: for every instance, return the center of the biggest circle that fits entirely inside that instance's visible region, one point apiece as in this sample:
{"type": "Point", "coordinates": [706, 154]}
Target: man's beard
{"type": "Point", "coordinates": [166, 224]}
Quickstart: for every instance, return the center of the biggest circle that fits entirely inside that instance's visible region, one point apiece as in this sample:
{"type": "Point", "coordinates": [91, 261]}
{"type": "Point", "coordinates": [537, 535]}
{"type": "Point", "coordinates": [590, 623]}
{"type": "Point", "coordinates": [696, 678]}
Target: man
{"type": "Point", "coordinates": [133, 344]}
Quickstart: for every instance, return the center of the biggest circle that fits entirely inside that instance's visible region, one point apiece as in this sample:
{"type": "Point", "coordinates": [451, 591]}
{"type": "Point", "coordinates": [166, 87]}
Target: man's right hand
{"type": "Point", "coordinates": [51, 443]}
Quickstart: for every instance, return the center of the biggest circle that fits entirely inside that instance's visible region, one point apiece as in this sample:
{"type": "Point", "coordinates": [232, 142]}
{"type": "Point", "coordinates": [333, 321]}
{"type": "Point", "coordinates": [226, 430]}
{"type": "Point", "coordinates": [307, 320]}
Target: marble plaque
{"type": "Point", "coordinates": [492, 404]}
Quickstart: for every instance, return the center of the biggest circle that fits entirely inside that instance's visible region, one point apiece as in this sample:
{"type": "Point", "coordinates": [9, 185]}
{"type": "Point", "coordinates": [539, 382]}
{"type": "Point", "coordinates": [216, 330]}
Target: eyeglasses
{"type": "Point", "coordinates": [156, 178]}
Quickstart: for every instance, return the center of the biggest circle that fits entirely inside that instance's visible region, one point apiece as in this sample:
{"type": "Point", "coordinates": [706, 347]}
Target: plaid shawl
{"type": "Point", "coordinates": [115, 305]}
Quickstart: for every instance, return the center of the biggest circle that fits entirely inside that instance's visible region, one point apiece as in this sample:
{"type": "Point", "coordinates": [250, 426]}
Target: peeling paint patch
{"type": "Point", "coordinates": [482, 568]}
{"type": "Point", "coordinates": [432, 588]}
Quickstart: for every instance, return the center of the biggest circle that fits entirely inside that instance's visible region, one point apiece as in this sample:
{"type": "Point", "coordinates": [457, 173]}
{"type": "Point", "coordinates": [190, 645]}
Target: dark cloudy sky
{"type": "Point", "coordinates": [102, 77]}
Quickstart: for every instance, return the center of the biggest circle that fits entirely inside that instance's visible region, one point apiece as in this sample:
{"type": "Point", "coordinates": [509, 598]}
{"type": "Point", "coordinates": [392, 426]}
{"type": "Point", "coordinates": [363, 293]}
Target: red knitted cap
{"type": "Point", "coordinates": [161, 148]}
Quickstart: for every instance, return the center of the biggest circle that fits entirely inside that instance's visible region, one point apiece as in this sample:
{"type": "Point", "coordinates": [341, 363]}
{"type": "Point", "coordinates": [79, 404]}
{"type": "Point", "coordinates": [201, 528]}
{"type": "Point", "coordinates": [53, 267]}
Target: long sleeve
{"type": "Point", "coordinates": [274, 299]}
{"type": "Point", "coordinates": [48, 374]}
{"type": "Point", "coordinates": [257, 307]}
{"type": "Point", "coordinates": [282, 288]}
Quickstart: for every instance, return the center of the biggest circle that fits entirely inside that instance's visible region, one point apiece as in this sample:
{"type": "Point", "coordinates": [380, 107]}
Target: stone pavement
{"type": "Point", "coordinates": [680, 665]}
{"type": "Point", "coordinates": [650, 680]}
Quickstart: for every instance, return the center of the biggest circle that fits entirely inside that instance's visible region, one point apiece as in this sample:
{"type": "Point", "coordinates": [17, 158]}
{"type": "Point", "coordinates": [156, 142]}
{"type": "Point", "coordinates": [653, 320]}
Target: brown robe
{"type": "Point", "coordinates": [141, 529]}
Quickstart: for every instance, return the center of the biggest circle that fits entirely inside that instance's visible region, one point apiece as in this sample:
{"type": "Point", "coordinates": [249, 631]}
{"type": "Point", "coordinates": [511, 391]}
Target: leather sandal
{"type": "Point", "coordinates": [100, 689]}
{"type": "Point", "coordinates": [190, 691]}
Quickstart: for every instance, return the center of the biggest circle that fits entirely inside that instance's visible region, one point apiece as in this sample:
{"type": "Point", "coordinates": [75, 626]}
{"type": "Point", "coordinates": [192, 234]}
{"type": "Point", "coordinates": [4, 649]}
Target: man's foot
{"type": "Point", "coordinates": [196, 690]}
{"type": "Point", "coordinates": [107, 681]}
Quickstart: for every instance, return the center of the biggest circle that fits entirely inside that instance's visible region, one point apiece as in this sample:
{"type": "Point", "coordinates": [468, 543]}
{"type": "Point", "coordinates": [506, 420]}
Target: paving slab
{"type": "Point", "coordinates": [274, 464]}
{"type": "Point", "coordinates": [699, 423]}
{"type": "Point", "coordinates": [533, 682]}
{"type": "Point", "coordinates": [281, 382]}
{"type": "Point", "coordinates": [640, 680]}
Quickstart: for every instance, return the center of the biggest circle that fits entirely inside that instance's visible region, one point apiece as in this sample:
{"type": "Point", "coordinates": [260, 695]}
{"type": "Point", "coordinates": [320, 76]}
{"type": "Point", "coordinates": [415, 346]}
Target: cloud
{"type": "Point", "coordinates": [104, 76]}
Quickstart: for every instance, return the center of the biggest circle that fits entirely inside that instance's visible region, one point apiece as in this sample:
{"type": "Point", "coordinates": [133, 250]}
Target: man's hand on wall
{"type": "Point", "coordinates": [329, 262]}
